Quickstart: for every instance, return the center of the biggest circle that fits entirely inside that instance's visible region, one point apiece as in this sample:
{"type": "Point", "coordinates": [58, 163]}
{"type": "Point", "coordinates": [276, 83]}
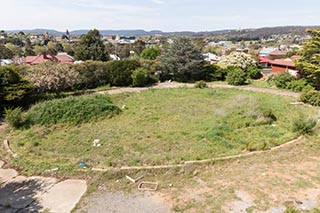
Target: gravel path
{"type": "Point", "coordinates": [167, 85]}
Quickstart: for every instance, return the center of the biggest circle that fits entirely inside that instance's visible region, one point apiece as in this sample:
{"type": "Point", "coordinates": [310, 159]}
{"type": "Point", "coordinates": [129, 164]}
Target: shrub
{"type": "Point", "coordinates": [71, 110]}
{"type": "Point", "coordinates": [201, 84]}
{"type": "Point", "coordinates": [14, 90]}
{"type": "Point", "coordinates": [253, 73]}
{"type": "Point", "coordinates": [121, 71]}
{"type": "Point", "coordinates": [256, 146]}
{"type": "Point", "coordinates": [267, 113]}
{"type": "Point", "coordinates": [219, 73]}
{"type": "Point", "coordinates": [208, 73]}
{"type": "Point", "coordinates": [311, 97]}
{"type": "Point", "coordinates": [140, 77]}
{"type": "Point", "coordinates": [299, 85]}
{"type": "Point", "coordinates": [236, 76]}
{"type": "Point", "coordinates": [303, 125]}
{"type": "Point", "coordinates": [14, 117]}
{"type": "Point", "coordinates": [280, 80]}
{"type": "Point", "coordinates": [93, 74]}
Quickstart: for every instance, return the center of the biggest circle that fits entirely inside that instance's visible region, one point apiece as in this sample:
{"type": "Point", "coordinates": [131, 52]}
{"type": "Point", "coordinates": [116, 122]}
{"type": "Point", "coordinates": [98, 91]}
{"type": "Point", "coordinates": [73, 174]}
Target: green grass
{"type": "Point", "coordinates": [165, 126]}
{"type": "Point", "coordinates": [73, 110]}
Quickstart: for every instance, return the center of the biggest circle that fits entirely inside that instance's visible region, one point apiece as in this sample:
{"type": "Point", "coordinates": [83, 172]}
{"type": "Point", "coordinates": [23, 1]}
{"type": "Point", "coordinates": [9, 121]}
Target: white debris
{"type": "Point", "coordinates": [96, 143]}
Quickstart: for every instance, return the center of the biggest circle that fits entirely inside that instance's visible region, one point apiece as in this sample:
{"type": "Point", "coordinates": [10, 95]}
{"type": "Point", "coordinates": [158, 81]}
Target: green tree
{"type": "Point", "coordinates": [14, 49]}
{"type": "Point", "coordinates": [123, 51]}
{"type": "Point", "coordinates": [151, 53]}
{"type": "Point", "coordinates": [309, 63]}
{"type": "Point", "coordinates": [28, 49]}
{"type": "Point", "coordinates": [181, 61]}
{"type": "Point", "coordinates": [91, 47]}
{"type": "Point", "coordinates": [68, 48]}
{"type": "Point", "coordinates": [13, 88]}
{"type": "Point", "coordinates": [39, 49]}
{"type": "Point", "coordinates": [138, 46]}
{"type": "Point", "coordinates": [5, 52]}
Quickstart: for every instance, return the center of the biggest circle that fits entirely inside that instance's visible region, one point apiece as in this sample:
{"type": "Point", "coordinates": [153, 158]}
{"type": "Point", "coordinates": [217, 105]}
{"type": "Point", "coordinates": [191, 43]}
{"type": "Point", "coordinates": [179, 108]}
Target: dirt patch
{"type": "Point", "coordinates": [121, 202]}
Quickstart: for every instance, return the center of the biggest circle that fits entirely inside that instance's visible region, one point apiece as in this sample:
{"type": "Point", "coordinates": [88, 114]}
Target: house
{"type": "Point", "coordinates": [39, 59]}
{"type": "Point", "coordinates": [210, 57]}
{"type": "Point", "coordinates": [277, 54]}
{"type": "Point", "coordinates": [265, 62]}
{"type": "Point", "coordinates": [64, 58]}
{"type": "Point", "coordinates": [284, 65]}
{"type": "Point", "coordinates": [5, 62]}
{"type": "Point", "coordinates": [266, 51]}
{"type": "Point", "coordinates": [114, 57]}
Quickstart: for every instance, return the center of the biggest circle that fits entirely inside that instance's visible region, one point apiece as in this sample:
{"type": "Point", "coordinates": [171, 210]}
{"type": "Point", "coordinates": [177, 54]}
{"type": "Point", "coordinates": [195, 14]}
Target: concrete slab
{"type": "Point", "coordinates": [20, 192]}
{"type": "Point", "coordinates": [64, 196]}
{"type": "Point", "coordinates": [1, 163]}
{"type": "Point", "coordinates": [7, 174]}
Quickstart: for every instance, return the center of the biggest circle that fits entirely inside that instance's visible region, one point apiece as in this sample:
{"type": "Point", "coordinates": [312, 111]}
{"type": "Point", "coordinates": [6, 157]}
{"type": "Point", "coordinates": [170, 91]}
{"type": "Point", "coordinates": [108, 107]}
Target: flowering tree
{"type": "Point", "coordinates": [52, 77]}
{"type": "Point", "coordinates": [238, 59]}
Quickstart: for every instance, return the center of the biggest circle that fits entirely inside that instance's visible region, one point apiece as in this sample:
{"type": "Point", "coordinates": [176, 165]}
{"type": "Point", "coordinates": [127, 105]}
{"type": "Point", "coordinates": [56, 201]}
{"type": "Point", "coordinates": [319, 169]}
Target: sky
{"type": "Point", "coordinates": [165, 15]}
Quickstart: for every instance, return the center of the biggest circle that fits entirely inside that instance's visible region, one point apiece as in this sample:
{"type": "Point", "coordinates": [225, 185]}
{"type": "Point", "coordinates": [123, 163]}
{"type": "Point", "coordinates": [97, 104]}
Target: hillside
{"type": "Point", "coordinates": [232, 33]}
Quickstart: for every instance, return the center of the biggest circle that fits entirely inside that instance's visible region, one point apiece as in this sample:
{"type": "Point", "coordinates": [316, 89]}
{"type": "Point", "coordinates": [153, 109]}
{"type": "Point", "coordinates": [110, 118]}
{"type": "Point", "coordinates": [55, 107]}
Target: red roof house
{"type": "Point", "coordinates": [277, 54]}
{"type": "Point", "coordinates": [284, 65]}
{"type": "Point", "coordinates": [62, 58]}
{"type": "Point", "coordinates": [264, 61]}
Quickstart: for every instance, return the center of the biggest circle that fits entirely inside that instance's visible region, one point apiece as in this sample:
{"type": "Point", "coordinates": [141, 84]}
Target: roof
{"type": "Point", "coordinates": [283, 62]}
{"type": "Point", "coordinates": [211, 57]}
{"type": "Point", "coordinates": [40, 59]}
{"type": "Point", "coordinates": [264, 59]}
{"type": "Point", "coordinates": [65, 59]}
{"type": "Point", "coordinates": [266, 50]}
{"type": "Point", "coordinates": [295, 57]}
{"type": "Point", "coordinates": [33, 60]}
{"type": "Point", "coordinates": [277, 52]}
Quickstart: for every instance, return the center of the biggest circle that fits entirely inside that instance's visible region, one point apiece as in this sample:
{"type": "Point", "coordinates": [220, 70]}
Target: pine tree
{"type": "Point", "coordinates": [181, 61]}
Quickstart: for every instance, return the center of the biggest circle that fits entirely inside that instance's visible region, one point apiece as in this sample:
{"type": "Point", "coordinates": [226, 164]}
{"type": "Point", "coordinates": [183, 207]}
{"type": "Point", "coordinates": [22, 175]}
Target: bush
{"type": "Point", "coordinates": [303, 125]}
{"type": "Point", "coordinates": [236, 76]}
{"type": "Point", "coordinates": [280, 80]}
{"type": "Point", "coordinates": [140, 77]}
{"type": "Point", "coordinates": [256, 146]}
{"type": "Point", "coordinates": [299, 85]}
{"type": "Point", "coordinates": [72, 110]}
{"type": "Point", "coordinates": [254, 73]}
{"type": "Point", "coordinates": [219, 73]}
{"type": "Point", "coordinates": [310, 97]}
{"type": "Point", "coordinates": [14, 90]}
{"type": "Point", "coordinates": [121, 71]}
{"type": "Point", "coordinates": [201, 84]}
{"type": "Point", "coordinates": [14, 117]}
{"type": "Point", "coordinates": [93, 74]}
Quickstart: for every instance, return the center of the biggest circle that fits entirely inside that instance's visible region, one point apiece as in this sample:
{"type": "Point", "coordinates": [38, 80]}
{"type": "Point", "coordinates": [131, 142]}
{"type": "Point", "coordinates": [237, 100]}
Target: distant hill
{"type": "Point", "coordinates": [37, 31]}
{"type": "Point", "coordinates": [232, 33]}
{"type": "Point", "coordinates": [81, 32]}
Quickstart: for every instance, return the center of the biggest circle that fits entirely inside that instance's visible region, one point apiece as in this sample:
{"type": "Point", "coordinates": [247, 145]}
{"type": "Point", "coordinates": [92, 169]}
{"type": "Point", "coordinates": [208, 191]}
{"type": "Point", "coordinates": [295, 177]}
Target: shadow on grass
{"type": "Point", "coordinates": [20, 196]}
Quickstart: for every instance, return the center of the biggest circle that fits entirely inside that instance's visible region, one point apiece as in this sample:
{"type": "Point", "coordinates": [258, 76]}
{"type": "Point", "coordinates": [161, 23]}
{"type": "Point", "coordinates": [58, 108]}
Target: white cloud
{"type": "Point", "coordinates": [158, 1]}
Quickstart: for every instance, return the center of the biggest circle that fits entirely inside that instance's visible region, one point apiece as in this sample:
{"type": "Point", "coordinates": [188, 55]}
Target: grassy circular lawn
{"type": "Point", "coordinates": [166, 126]}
